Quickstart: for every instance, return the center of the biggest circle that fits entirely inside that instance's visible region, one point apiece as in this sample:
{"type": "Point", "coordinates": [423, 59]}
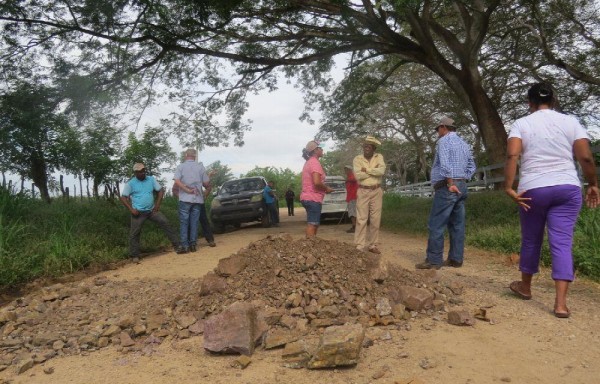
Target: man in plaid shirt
{"type": "Point", "coordinates": [453, 166]}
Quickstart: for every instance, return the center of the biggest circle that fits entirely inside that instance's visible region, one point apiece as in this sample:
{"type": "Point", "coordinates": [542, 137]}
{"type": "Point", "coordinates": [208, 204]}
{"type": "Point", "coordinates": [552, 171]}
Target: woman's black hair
{"type": "Point", "coordinates": [306, 154]}
{"type": "Point", "coordinates": [541, 93]}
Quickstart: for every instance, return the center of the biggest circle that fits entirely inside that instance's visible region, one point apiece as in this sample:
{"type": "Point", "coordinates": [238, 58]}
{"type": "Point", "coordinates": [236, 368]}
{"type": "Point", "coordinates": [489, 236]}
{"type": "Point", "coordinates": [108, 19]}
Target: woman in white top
{"type": "Point", "coordinates": [549, 191]}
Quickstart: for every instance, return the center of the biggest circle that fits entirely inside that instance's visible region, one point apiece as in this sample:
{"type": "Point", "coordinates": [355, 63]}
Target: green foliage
{"type": "Point", "coordinates": [219, 173]}
{"type": "Point", "coordinates": [493, 224]}
{"type": "Point", "coordinates": [101, 142]}
{"type": "Point", "coordinates": [152, 149]}
{"type": "Point", "coordinates": [587, 243]}
{"type": "Point", "coordinates": [36, 138]}
{"type": "Point", "coordinates": [281, 178]}
{"type": "Point", "coordinates": [42, 240]}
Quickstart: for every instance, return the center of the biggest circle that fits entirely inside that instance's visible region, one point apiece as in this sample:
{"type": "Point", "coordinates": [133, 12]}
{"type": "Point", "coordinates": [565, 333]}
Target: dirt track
{"type": "Point", "coordinates": [525, 343]}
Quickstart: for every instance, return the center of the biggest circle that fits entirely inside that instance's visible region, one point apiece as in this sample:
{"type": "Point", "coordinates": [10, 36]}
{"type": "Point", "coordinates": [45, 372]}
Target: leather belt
{"type": "Point", "coordinates": [442, 183]}
{"type": "Point", "coordinates": [370, 186]}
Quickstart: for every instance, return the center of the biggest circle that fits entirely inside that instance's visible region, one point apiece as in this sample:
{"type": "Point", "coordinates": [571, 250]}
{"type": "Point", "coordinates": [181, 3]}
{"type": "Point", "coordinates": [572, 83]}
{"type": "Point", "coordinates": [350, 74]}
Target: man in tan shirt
{"type": "Point", "coordinates": [369, 169]}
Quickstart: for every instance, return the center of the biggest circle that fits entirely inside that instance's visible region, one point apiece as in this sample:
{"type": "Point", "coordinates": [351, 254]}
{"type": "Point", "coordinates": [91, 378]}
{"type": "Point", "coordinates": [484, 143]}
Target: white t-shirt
{"type": "Point", "coordinates": [547, 157]}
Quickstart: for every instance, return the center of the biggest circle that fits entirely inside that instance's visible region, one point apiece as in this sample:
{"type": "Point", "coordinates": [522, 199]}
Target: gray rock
{"type": "Point", "coordinates": [241, 362]}
{"type": "Point", "coordinates": [328, 312]}
{"type": "Point", "coordinates": [197, 328]}
{"type": "Point", "coordinates": [383, 306]}
{"type": "Point", "coordinates": [279, 337]}
{"type": "Point", "coordinates": [185, 320]}
{"type": "Point", "coordinates": [232, 331]}
{"type": "Point", "coordinates": [42, 339]}
{"type": "Point", "coordinates": [460, 317]}
{"type": "Point", "coordinates": [111, 331]}
{"type": "Point", "coordinates": [231, 266]}
{"type": "Point", "coordinates": [24, 365]}
{"type": "Point", "coordinates": [297, 354]}
{"type": "Point", "coordinates": [339, 346]}
{"type": "Point", "coordinates": [126, 321]}
{"type": "Point", "coordinates": [6, 316]}
{"type": "Point", "coordinates": [212, 283]}
{"type": "Point", "coordinates": [415, 299]}
{"type": "Point", "coordinates": [126, 340]}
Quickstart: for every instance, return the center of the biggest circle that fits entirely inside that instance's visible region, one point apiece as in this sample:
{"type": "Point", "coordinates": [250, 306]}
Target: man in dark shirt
{"type": "Point", "coordinates": [289, 200]}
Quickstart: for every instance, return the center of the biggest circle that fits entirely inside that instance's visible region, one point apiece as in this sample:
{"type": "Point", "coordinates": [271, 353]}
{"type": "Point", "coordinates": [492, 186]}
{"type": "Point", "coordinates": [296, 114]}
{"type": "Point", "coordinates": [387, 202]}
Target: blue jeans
{"type": "Point", "coordinates": [448, 210]}
{"type": "Point", "coordinates": [189, 216]}
{"type": "Point", "coordinates": [313, 212]}
{"type": "Point", "coordinates": [272, 209]}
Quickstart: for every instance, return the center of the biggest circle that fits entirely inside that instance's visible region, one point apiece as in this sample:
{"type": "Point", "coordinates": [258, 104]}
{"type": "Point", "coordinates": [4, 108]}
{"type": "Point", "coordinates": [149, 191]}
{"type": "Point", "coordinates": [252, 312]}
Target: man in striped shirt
{"type": "Point", "coordinates": [453, 166]}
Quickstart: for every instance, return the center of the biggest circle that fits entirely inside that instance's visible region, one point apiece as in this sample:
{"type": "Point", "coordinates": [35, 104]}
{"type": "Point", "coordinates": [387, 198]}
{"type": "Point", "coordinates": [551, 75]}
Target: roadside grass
{"type": "Point", "coordinates": [50, 240]}
{"type": "Point", "coordinates": [493, 224]}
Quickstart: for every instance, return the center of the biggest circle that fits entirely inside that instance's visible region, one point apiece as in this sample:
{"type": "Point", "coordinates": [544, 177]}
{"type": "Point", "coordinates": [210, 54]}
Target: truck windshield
{"type": "Point", "coordinates": [242, 185]}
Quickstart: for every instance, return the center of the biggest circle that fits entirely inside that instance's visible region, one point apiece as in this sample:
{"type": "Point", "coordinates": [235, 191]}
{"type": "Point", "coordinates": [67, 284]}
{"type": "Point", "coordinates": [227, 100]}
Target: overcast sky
{"type": "Point", "coordinates": [276, 138]}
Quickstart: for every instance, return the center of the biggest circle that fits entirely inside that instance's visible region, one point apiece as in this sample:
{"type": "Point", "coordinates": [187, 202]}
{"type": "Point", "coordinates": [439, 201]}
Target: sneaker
{"type": "Point", "coordinates": [181, 250]}
{"type": "Point", "coordinates": [453, 263]}
{"type": "Point", "coordinates": [351, 230]}
{"type": "Point", "coordinates": [212, 244]}
{"type": "Point", "coordinates": [135, 260]}
{"type": "Point", "coordinates": [193, 248]}
{"type": "Point", "coordinates": [427, 265]}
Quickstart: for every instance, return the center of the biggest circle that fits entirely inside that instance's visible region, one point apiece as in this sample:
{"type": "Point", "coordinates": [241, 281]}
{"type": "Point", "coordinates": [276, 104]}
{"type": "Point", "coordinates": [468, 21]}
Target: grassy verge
{"type": "Point", "coordinates": [493, 224]}
{"type": "Point", "coordinates": [48, 240]}
{"type": "Point", "coordinates": [41, 240]}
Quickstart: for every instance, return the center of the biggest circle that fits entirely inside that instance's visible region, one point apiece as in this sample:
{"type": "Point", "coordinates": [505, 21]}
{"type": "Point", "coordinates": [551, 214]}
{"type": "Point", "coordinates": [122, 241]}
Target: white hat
{"type": "Point", "coordinates": [138, 167]}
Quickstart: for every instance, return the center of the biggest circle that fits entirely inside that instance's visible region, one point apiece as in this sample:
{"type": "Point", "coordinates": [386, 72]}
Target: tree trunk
{"type": "Point", "coordinates": [87, 187]}
{"type": "Point", "coordinates": [467, 85]}
{"type": "Point", "coordinates": [489, 123]}
{"type": "Point", "coordinates": [80, 188]}
{"type": "Point", "coordinates": [40, 178]}
{"type": "Point", "coordinates": [95, 189]}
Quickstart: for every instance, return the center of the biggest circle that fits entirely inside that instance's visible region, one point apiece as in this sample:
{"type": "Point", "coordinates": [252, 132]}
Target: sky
{"type": "Point", "coordinates": [276, 138]}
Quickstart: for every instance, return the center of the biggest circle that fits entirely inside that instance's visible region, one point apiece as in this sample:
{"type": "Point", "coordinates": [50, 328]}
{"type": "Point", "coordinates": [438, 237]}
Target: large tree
{"type": "Point", "coordinates": [175, 40]}
{"type": "Point", "coordinates": [36, 137]}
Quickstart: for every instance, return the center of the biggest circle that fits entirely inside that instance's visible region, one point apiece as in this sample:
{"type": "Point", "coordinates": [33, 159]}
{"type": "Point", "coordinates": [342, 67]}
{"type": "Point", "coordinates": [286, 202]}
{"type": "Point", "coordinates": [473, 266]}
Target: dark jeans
{"type": "Point", "coordinates": [206, 231]}
{"type": "Point", "coordinates": [447, 211]}
{"type": "Point", "coordinates": [272, 209]}
{"type": "Point", "coordinates": [136, 229]}
{"type": "Point", "coordinates": [290, 206]}
{"type": "Point", "coordinates": [189, 214]}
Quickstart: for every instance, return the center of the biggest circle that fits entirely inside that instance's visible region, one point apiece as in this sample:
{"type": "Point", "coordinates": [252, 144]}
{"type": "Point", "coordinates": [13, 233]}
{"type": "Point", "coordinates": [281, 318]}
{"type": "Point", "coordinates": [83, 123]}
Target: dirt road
{"type": "Point", "coordinates": [523, 344]}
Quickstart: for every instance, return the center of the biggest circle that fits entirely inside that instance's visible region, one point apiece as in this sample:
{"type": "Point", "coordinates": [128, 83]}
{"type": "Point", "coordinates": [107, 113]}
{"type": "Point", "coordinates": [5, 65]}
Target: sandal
{"type": "Point", "coordinates": [562, 315]}
{"type": "Point", "coordinates": [515, 286]}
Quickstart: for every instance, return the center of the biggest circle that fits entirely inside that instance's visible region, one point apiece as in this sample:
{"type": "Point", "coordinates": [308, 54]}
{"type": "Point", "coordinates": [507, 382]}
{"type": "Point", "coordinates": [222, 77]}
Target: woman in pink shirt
{"type": "Point", "coordinates": [313, 186]}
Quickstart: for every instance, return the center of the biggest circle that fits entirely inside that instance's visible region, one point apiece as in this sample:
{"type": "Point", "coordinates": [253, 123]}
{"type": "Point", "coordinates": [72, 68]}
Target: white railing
{"type": "Point", "coordinates": [484, 179]}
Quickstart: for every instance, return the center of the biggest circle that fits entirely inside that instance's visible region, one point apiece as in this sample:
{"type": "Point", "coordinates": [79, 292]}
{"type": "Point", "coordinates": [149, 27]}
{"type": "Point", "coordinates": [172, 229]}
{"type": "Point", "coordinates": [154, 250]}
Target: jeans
{"type": "Point", "coordinates": [447, 211]}
{"type": "Point", "coordinates": [189, 216]}
{"type": "Point", "coordinates": [136, 229]}
{"type": "Point", "coordinates": [272, 209]}
{"type": "Point", "coordinates": [313, 212]}
{"type": "Point", "coordinates": [206, 231]}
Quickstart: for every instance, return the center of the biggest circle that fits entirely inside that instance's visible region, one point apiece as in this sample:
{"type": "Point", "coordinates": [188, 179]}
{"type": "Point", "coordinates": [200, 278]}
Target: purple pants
{"type": "Point", "coordinates": [557, 207]}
